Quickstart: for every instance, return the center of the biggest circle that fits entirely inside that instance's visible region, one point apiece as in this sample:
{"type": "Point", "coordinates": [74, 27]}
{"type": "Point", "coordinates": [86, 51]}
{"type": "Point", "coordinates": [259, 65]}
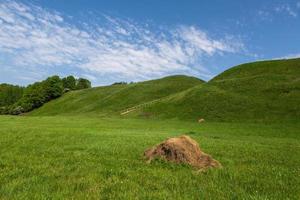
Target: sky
{"type": "Point", "coordinates": [136, 40]}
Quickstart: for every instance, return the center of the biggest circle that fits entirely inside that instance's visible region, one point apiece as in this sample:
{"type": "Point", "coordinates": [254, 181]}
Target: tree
{"type": "Point", "coordinates": [16, 100]}
{"type": "Point", "coordinates": [119, 83]}
{"type": "Point", "coordinates": [37, 94]}
{"type": "Point", "coordinates": [34, 97]}
{"type": "Point", "coordinates": [69, 83]}
{"type": "Point", "coordinates": [10, 94]}
{"type": "Point", "coordinates": [83, 84]}
{"type": "Point", "coordinates": [53, 87]}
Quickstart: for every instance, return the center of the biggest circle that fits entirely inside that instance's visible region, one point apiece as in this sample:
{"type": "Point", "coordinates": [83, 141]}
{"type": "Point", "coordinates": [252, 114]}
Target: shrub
{"type": "Point", "coordinates": [120, 83]}
{"type": "Point", "coordinates": [83, 84]}
{"type": "Point", "coordinates": [17, 110]}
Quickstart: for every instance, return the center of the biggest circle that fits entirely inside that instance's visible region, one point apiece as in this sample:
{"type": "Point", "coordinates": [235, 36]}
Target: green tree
{"type": "Point", "coordinates": [34, 97]}
{"type": "Point", "coordinates": [10, 94]}
{"type": "Point", "coordinates": [37, 94]}
{"type": "Point", "coordinates": [16, 100]}
{"type": "Point", "coordinates": [69, 82]}
{"type": "Point", "coordinates": [53, 87]}
{"type": "Point", "coordinates": [83, 84]}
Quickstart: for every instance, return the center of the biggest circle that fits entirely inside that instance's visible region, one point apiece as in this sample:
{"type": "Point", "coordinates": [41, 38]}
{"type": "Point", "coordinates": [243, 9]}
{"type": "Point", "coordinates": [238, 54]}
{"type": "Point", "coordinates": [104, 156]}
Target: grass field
{"type": "Point", "coordinates": [101, 158]}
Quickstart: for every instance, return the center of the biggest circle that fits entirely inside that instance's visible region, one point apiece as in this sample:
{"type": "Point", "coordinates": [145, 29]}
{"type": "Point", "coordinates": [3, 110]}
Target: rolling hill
{"type": "Point", "coordinates": [259, 91]}
{"type": "Point", "coordinates": [113, 99]}
{"type": "Point", "coordinates": [267, 90]}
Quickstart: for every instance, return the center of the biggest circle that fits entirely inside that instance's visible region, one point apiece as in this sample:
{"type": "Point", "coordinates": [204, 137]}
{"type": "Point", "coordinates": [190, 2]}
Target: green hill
{"type": "Point", "coordinates": [259, 91]}
{"type": "Point", "coordinates": [266, 90]}
{"type": "Point", "coordinates": [113, 99]}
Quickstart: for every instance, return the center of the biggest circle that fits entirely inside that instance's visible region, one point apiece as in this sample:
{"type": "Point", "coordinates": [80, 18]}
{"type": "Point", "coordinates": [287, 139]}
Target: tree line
{"type": "Point", "coordinates": [16, 99]}
{"type": "Point", "coordinates": [9, 94]}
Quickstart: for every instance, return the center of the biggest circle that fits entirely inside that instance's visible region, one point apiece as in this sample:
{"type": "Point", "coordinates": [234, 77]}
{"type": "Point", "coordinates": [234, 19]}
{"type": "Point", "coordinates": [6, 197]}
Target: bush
{"type": "Point", "coordinates": [3, 110]}
{"type": "Point", "coordinates": [120, 83]}
{"type": "Point", "coordinates": [83, 84]}
{"type": "Point", "coordinates": [17, 110]}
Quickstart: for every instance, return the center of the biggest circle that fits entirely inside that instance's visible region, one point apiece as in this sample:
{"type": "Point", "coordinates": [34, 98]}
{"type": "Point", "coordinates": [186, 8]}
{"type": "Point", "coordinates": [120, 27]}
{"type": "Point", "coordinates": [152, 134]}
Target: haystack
{"type": "Point", "coordinates": [182, 149]}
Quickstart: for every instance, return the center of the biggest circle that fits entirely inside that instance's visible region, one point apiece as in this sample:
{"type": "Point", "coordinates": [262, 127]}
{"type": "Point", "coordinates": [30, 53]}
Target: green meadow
{"type": "Point", "coordinates": [89, 143]}
{"type": "Point", "coordinates": [102, 158]}
{"type": "Point", "coordinates": [149, 100]}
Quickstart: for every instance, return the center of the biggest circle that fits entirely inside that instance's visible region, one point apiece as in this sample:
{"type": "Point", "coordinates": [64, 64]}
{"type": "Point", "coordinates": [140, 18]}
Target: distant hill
{"type": "Point", "coordinates": [113, 99]}
{"type": "Point", "coordinates": [267, 90]}
{"type": "Point", "coordinates": [259, 91]}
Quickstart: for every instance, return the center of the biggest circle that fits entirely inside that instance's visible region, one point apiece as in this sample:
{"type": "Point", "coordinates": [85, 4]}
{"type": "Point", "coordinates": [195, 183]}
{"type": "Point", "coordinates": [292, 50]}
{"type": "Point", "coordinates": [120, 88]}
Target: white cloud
{"type": "Point", "coordinates": [290, 56]}
{"type": "Point", "coordinates": [90, 77]}
{"type": "Point", "coordinates": [290, 10]}
{"type": "Point", "coordinates": [286, 9]}
{"type": "Point", "coordinates": [31, 36]}
{"type": "Point", "coordinates": [265, 15]}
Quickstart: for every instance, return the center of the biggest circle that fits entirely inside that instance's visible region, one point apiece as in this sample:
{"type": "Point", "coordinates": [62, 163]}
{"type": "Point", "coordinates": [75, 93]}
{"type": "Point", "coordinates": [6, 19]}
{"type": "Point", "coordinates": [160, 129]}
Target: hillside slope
{"type": "Point", "coordinates": [260, 91]}
{"type": "Point", "coordinates": [113, 99]}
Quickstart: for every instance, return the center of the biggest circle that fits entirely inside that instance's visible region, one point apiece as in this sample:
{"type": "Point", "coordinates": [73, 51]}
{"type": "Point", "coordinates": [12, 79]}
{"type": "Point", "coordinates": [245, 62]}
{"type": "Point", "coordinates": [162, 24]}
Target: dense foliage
{"type": "Point", "coordinates": [16, 100]}
{"type": "Point", "coordinates": [10, 94]}
{"type": "Point", "coordinates": [82, 83]}
{"type": "Point", "coordinates": [69, 82]}
{"type": "Point", "coordinates": [120, 83]}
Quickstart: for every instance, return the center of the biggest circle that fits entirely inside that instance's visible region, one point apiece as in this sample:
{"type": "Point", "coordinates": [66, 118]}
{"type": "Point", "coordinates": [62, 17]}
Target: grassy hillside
{"type": "Point", "coordinates": [267, 90]}
{"type": "Point", "coordinates": [114, 99]}
{"type": "Point", "coordinates": [260, 91]}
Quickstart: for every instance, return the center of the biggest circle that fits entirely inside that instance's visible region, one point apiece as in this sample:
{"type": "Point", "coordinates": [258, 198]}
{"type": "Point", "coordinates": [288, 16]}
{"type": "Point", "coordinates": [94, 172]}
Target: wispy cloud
{"type": "Point", "coordinates": [286, 8]}
{"type": "Point", "coordinates": [265, 15]}
{"type": "Point", "coordinates": [290, 10]}
{"type": "Point", "coordinates": [33, 38]}
{"type": "Point", "coordinates": [296, 55]}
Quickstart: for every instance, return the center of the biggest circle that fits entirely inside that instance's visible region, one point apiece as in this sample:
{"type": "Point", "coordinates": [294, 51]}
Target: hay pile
{"type": "Point", "coordinates": [182, 149]}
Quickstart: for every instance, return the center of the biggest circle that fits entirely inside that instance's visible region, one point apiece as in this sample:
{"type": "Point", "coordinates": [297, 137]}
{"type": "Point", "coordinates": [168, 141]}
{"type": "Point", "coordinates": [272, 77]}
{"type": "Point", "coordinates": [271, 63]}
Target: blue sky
{"type": "Point", "coordinates": [135, 40]}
